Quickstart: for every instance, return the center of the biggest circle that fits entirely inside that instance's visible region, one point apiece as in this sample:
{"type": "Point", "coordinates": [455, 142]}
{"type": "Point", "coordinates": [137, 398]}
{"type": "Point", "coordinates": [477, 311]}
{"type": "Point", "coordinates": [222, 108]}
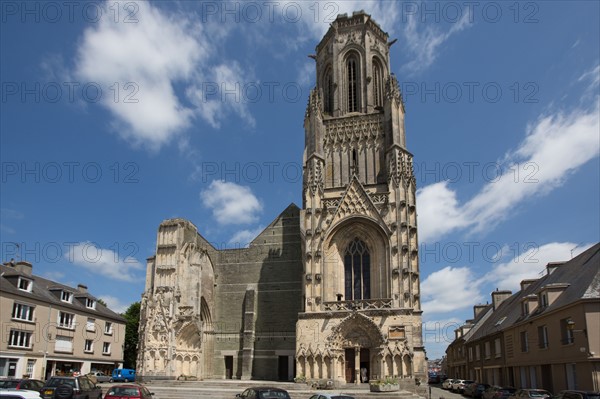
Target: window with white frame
{"type": "Point", "coordinates": [497, 348]}
{"type": "Point", "coordinates": [24, 284]}
{"type": "Point", "coordinates": [90, 325]}
{"type": "Point", "coordinates": [90, 303]}
{"type": "Point", "coordinates": [477, 352]}
{"type": "Point", "coordinates": [566, 331]}
{"type": "Point", "coordinates": [108, 328]}
{"type": "Point", "coordinates": [66, 296]}
{"type": "Point", "coordinates": [106, 348]}
{"type": "Point", "coordinates": [66, 320]}
{"type": "Point", "coordinates": [19, 339]}
{"type": "Point", "coordinates": [487, 350]}
{"type": "Point", "coordinates": [30, 367]}
{"type": "Point", "coordinates": [63, 344]}
{"type": "Point", "coordinates": [88, 346]}
{"type": "Point", "coordinates": [22, 312]}
{"type": "Point", "coordinates": [470, 353]}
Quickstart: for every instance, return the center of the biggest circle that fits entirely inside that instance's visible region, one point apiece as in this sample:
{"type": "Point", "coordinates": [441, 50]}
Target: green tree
{"type": "Point", "coordinates": [101, 302]}
{"type": "Point", "coordinates": [132, 317]}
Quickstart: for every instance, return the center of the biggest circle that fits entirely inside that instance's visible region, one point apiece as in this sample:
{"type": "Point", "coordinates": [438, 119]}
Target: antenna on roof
{"type": "Point", "coordinates": [573, 249]}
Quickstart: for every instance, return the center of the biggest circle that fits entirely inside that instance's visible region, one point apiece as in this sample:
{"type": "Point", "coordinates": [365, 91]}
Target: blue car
{"type": "Point", "coordinates": [123, 375]}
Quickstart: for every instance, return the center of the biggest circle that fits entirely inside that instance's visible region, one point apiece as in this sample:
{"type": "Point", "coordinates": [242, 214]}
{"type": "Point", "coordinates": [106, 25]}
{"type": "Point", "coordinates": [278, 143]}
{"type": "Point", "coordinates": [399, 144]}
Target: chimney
{"type": "Point", "coordinates": [477, 309]}
{"type": "Point", "coordinates": [552, 266]}
{"type": "Point", "coordinates": [499, 296]}
{"type": "Point", "coordinates": [24, 267]}
{"type": "Point", "coordinates": [527, 283]}
{"type": "Point", "coordinates": [82, 288]}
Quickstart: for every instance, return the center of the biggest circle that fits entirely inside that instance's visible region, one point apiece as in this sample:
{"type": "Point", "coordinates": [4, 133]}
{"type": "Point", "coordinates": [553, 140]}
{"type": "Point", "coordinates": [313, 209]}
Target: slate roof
{"type": "Point", "coordinates": [41, 291]}
{"type": "Point", "coordinates": [581, 275]}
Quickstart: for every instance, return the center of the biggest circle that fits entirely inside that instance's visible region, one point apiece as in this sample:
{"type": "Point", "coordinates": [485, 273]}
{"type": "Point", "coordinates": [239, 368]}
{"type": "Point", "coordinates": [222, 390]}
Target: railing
{"type": "Point", "coordinates": [364, 304]}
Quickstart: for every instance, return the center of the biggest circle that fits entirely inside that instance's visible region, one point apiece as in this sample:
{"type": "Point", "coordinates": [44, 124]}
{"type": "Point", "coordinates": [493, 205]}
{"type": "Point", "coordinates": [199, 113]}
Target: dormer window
{"type": "Point", "coordinates": [66, 296]}
{"type": "Point", "coordinates": [544, 300]}
{"type": "Point", "coordinates": [90, 303]}
{"type": "Point", "coordinates": [525, 308]}
{"type": "Point", "coordinates": [24, 284]}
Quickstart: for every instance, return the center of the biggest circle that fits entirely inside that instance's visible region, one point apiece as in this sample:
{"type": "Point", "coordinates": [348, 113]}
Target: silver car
{"type": "Point", "coordinates": [319, 395]}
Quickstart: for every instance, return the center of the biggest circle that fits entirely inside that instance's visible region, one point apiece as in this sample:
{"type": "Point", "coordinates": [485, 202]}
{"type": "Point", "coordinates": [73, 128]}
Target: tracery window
{"type": "Point", "coordinates": [357, 271]}
{"type": "Point", "coordinates": [377, 83]}
{"type": "Point", "coordinates": [328, 91]}
{"type": "Point", "coordinates": [352, 80]}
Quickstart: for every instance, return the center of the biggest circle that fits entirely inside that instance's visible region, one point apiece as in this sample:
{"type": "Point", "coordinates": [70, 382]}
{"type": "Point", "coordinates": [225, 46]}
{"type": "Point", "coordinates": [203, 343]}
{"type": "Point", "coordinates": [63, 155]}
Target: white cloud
{"type": "Point", "coordinates": [592, 76]}
{"type": "Point", "coordinates": [439, 211]}
{"type": "Point", "coordinates": [139, 65]}
{"type": "Point", "coordinates": [243, 238]}
{"type": "Point", "coordinates": [225, 91]}
{"type": "Point", "coordinates": [437, 334]}
{"type": "Point", "coordinates": [306, 74]}
{"type": "Point", "coordinates": [554, 147]}
{"type": "Point", "coordinates": [114, 303]}
{"type": "Point", "coordinates": [449, 289]}
{"type": "Point", "coordinates": [231, 203]}
{"type": "Point", "coordinates": [424, 43]}
{"type": "Point", "coordinates": [151, 54]}
{"type": "Point", "coordinates": [104, 262]}
{"type": "Point", "coordinates": [531, 263]}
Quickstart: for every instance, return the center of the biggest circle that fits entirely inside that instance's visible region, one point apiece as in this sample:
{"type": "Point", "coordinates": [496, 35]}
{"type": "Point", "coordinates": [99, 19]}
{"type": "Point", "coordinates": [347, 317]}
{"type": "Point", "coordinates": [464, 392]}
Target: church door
{"type": "Point", "coordinates": [350, 365]}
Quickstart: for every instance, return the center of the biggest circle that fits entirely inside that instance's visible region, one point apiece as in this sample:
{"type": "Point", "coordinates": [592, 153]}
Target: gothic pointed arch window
{"type": "Point", "coordinates": [328, 91]}
{"type": "Point", "coordinates": [377, 83]}
{"type": "Point", "coordinates": [352, 82]}
{"type": "Point", "coordinates": [357, 271]}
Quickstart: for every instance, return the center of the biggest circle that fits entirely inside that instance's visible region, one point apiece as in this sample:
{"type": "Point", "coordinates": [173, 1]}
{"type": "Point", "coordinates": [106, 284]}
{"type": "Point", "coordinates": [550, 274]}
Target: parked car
{"type": "Point", "coordinates": [129, 391]}
{"type": "Point", "coordinates": [447, 384]}
{"type": "Point", "coordinates": [79, 387]}
{"type": "Point", "coordinates": [475, 390]}
{"type": "Point", "coordinates": [531, 393]}
{"type": "Point", "coordinates": [98, 377]}
{"type": "Point", "coordinates": [19, 394]}
{"type": "Point", "coordinates": [22, 383]}
{"type": "Point", "coordinates": [496, 392]}
{"type": "Point", "coordinates": [577, 395]}
{"type": "Point", "coordinates": [319, 395]}
{"type": "Point", "coordinates": [123, 375]}
{"type": "Point", "coordinates": [459, 385]}
{"type": "Point", "coordinates": [264, 393]}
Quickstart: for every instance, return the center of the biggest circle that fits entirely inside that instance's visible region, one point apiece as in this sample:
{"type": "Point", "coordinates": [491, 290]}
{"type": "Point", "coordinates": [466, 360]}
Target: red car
{"type": "Point", "coordinates": [128, 391]}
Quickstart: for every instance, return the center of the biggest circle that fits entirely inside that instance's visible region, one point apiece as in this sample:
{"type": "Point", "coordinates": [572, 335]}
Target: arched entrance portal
{"type": "Point", "coordinates": [358, 338]}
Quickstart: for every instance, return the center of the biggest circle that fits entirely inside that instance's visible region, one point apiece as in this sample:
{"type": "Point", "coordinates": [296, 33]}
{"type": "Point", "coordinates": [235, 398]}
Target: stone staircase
{"type": "Point", "coordinates": [227, 389]}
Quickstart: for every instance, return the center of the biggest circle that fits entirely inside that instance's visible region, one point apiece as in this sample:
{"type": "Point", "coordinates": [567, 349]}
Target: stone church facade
{"type": "Point", "coordinates": [329, 291]}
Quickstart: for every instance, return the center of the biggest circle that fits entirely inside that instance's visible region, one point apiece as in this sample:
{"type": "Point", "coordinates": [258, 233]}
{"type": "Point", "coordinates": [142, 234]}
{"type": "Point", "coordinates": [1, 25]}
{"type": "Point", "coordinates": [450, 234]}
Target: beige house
{"type": "Point", "coordinates": [52, 329]}
{"type": "Point", "coordinates": [546, 335]}
{"type": "Point", "coordinates": [330, 291]}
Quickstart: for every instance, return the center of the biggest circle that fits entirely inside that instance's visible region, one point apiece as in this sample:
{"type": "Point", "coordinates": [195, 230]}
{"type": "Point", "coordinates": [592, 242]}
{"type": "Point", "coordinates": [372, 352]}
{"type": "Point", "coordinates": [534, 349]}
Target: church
{"type": "Point", "coordinates": [326, 292]}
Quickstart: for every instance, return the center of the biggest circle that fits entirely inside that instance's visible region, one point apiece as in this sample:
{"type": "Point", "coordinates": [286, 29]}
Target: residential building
{"type": "Point", "coordinates": [546, 335]}
{"type": "Point", "coordinates": [52, 329]}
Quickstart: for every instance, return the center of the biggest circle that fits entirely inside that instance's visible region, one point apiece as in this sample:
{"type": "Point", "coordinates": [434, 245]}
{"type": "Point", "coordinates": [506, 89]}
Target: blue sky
{"type": "Point", "coordinates": [118, 115]}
